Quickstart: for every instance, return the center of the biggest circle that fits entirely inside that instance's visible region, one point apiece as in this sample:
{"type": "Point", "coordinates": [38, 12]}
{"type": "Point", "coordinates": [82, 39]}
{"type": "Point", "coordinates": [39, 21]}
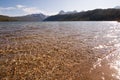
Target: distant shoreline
{"type": "Point", "coordinates": [61, 21]}
{"type": "Point", "coordinates": [91, 15]}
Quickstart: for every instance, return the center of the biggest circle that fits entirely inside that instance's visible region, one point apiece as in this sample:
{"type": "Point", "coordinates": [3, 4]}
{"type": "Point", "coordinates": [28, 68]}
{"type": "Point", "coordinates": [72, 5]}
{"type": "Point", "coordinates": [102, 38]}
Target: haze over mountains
{"type": "Point", "coordinates": [117, 7]}
{"type": "Point", "coordinates": [68, 12]}
{"type": "Point", "coordinates": [111, 14]}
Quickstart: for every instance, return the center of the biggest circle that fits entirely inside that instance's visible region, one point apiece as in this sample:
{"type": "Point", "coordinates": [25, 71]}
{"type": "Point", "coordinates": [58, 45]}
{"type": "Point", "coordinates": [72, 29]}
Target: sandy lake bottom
{"type": "Point", "coordinates": [59, 51]}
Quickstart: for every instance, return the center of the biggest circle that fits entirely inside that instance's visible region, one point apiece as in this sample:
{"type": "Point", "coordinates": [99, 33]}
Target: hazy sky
{"type": "Point", "coordinates": [23, 7]}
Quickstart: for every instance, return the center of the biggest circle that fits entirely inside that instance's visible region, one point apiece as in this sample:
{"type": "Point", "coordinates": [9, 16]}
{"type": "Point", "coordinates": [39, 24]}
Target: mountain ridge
{"type": "Point", "coordinates": [110, 14]}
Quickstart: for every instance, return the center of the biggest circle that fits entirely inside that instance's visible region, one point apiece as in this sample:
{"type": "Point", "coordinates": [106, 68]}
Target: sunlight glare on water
{"type": "Point", "coordinates": [111, 60]}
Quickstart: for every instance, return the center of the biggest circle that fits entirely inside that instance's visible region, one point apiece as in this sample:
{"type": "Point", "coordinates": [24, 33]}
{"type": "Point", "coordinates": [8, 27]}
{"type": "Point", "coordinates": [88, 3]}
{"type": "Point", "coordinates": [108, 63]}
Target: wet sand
{"type": "Point", "coordinates": [51, 53]}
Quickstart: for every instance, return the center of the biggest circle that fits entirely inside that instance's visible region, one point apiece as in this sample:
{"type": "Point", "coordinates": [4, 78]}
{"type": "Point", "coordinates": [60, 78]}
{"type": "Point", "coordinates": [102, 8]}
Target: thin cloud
{"type": "Point", "coordinates": [4, 10]}
{"type": "Point", "coordinates": [20, 6]}
{"type": "Point", "coordinates": [23, 9]}
{"type": "Point", "coordinates": [7, 8]}
{"type": "Point", "coordinates": [28, 10]}
{"type": "Point", "coordinates": [31, 10]}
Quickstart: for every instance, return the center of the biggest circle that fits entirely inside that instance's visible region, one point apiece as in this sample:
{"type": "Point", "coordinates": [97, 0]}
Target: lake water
{"type": "Point", "coordinates": [60, 50]}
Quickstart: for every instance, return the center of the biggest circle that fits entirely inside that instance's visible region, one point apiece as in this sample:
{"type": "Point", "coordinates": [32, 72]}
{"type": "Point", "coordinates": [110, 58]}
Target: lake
{"type": "Point", "coordinates": [60, 50]}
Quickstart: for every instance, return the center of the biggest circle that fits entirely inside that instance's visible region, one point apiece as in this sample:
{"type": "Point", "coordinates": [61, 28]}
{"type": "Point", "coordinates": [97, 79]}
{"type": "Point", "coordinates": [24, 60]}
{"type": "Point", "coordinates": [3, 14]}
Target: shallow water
{"type": "Point", "coordinates": [88, 50]}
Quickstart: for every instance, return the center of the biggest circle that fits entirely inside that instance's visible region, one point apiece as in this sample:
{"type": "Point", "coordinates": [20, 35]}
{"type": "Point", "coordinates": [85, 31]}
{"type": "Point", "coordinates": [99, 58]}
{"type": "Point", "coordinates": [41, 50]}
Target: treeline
{"type": "Point", "coordinates": [91, 15]}
{"type": "Point", "coordinates": [6, 18]}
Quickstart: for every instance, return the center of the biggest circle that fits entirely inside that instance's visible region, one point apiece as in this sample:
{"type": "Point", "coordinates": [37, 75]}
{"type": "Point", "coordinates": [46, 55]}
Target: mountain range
{"type": "Point", "coordinates": [90, 15]}
{"type": "Point", "coordinates": [111, 14]}
{"type": "Point", "coordinates": [32, 17]}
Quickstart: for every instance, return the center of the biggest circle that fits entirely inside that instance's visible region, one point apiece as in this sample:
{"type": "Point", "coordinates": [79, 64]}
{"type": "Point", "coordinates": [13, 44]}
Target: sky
{"type": "Point", "coordinates": [51, 7]}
